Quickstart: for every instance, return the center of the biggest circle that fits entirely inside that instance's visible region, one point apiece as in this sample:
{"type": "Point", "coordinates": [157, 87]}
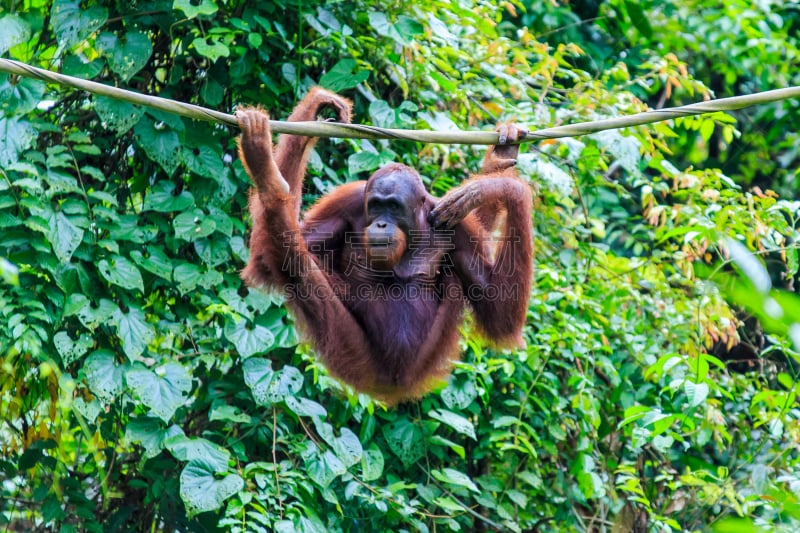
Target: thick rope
{"type": "Point", "coordinates": [359, 131]}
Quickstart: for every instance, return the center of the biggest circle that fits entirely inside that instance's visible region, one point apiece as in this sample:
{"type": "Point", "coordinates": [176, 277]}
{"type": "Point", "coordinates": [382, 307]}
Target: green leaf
{"type": "Point", "coordinates": [104, 377]}
{"type": "Point", "coordinates": [228, 413]}
{"type": "Point", "coordinates": [454, 477]}
{"type": "Point", "coordinates": [366, 161]}
{"type": "Point", "coordinates": [16, 136]}
{"type": "Point", "coordinates": [70, 350]}
{"type": "Point", "coordinates": [64, 236]}
{"type": "Point", "coordinates": [213, 251]}
{"type": "Point", "coordinates": [372, 464]}
{"type": "Point", "coordinates": [204, 160]}
{"type": "Point", "coordinates": [634, 413]}
{"type": "Point", "coordinates": [127, 54]}
{"type": "Point", "coordinates": [161, 145]}
{"type": "Point", "coordinates": [343, 76]}
{"type": "Point", "coordinates": [203, 7]}
{"type": "Point", "coordinates": [408, 28]}
{"type": "Point", "coordinates": [80, 67]}
{"type": "Point", "coordinates": [149, 431]}
{"type": "Point", "coordinates": [305, 407]}
{"type": "Point", "coordinates": [122, 272]}
{"type": "Point", "coordinates": [13, 31]}
{"type": "Point", "coordinates": [639, 18]}
{"type": "Point", "coordinates": [268, 386]}
{"type": "Point", "coordinates": [212, 91]}
{"type": "Point", "coordinates": [188, 277]}
{"type": "Point", "coordinates": [382, 114]}
{"type": "Point", "coordinates": [405, 439]}
{"type": "Point", "coordinates": [186, 449]}
{"type": "Point", "coordinates": [20, 97]}
{"type": "Point", "coordinates": [695, 392]}
{"type": "Point", "coordinates": [156, 262]}
{"type": "Point", "coordinates": [117, 115]}
{"type": "Point", "coordinates": [663, 443]}
{"type": "Point", "coordinates": [92, 316]}
{"type": "Point", "coordinates": [441, 441]}
{"type": "Point", "coordinates": [459, 394]}
{"type": "Point", "coordinates": [162, 197]}
{"type": "Point", "coordinates": [202, 491]}
{"type": "Point", "coordinates": [89, 410]}
{"type": "Point", "coordinates": [322, 468]}
{"type": "Point", "coordinates": [162, 390]}
{"type": "Point", "coordinates": [73, 23]}
{"type": "Point", "coordinates": [126, 228]}
{"type": "Point", "coordinates": [194, 224]}
{"type": "Point", "coordinates": [449, 504]}
{"type": "Point", "coordinates": [249, 340]}
{"type": "Point", "coordinates": [213, 50]}
{"type": "Point", "coordinates": [134, 331]}
{"type": "Point", "coordinates": [707, 128]}
{"type": "Point", "coordinates": [9, 273]}
{"type": "Point", "coordinates": [749, 265]}
{"type": "Point", "coordinates": [402, 32]}
{"type": "Point", "coordinates": [455, 421]}
{"type": "Point", "coordinates": [625, 148]}
{"type": "Point", "coordinates": [346, 446]}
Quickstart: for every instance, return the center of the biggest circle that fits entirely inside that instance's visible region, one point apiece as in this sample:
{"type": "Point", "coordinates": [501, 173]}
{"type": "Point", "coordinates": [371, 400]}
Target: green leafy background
{"type": "Point", "coordinates": [144, 387]}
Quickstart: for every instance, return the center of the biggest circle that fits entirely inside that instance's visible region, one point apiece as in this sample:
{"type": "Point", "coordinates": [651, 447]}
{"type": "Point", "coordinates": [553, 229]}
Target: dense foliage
{"type": "Point", "coordinates": [143, 387]}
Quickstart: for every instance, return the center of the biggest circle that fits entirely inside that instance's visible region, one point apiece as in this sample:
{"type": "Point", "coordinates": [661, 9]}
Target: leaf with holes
{"type": "Point", "coordinates": [92, 316]}
{"type": "Point", "coordinates": [105, 378]}
{"type": "Point", "coordinates": [405, 439]}
{"type": "Point", "coordinates": [71, 350]}
{"type": "Point", "coordinates": [455, 421]}
{"type": "Point", "coordinates": [249, 340]}
{"type": "Point", "coordinates": [116, 114]}
{"type": "Point", "coordinates": [202, 490]}
{"type": "Point", "coordinates": [459, 394]}
{"type": "Point", "coordinates": [122, 272]}
{"type": "Point", "coordinates": [16, 136]}
{"type": "Point", "coordinates": [73, 23]}
{"type": "Point", "coordinates": [267, 385]}
{"type": "Point", "coordinates": [185, 449]}
{"type": "Point", "coordinates": [305, 407]}
{"type": "Point", "coordinates": [126, 54]}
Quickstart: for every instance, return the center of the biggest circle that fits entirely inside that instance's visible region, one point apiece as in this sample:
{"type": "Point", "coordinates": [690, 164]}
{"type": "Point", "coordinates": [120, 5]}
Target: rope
{"type": "Point", "coordinates": [360, 131]}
